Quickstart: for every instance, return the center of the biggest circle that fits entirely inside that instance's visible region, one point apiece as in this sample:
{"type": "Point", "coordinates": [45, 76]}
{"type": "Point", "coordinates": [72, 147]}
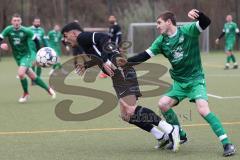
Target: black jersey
{"type": "Point", "coordinates": [97, 44]}
{"type": "Point", "coordinates": [115, 33]}
{"type": "Point", "coordinates": [77, 50]}
{"type": "Point", "coordinates": [94, 43]}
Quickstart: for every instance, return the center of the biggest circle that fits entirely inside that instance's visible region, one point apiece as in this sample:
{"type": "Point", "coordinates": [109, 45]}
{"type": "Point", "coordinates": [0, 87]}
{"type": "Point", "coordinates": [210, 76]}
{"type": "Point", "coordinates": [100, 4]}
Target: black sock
{"type": "Point", "coordinates": [145, 126]}
{"type": "Point", "coordinates": [149, 116]}
{"type": "Point", "coordinates": [144, 118]}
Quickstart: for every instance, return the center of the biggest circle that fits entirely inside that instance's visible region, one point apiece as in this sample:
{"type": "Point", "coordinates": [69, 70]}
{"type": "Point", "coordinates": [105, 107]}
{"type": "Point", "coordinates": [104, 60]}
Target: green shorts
{"type": "Point", "coordinates": [229, 45]}
{"type": "Point", "coordinates": [193, 90]}
{"type": "Point", "coordinates": [25, 61]}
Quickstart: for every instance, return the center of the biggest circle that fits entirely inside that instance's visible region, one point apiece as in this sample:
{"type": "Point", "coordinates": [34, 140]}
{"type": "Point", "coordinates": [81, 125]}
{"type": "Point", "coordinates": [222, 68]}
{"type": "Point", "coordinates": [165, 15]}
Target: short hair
{"type": "Point", "coordinates": [71, 26]}
{"type": "Point", "coordinates": [16, 15]}
{"type": "Point", "coordinates": [36, 17]}
{"type": "Point", "coordinates": [168, 15]}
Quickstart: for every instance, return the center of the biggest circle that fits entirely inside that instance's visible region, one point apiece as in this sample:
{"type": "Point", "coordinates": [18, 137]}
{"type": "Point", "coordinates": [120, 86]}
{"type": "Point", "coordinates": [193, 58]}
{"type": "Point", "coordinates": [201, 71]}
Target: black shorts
{"type": "Point", "coordinates": [125, 83]}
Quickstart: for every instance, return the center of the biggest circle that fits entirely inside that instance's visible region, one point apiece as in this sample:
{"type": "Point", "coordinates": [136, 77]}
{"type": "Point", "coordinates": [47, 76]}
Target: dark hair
{"type": "Point", "coordinates": [16, 15]}
{"type": "Point", "coordinates": [168, 15]}
{"type": "Point", "coordinates": [71, 26]}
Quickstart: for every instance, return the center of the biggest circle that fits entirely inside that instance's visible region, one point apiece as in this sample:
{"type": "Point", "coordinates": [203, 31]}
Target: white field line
{"type": "Point", "coordinates": [4, 133]}
{"type": "Point", "coordinates": [220, 97]}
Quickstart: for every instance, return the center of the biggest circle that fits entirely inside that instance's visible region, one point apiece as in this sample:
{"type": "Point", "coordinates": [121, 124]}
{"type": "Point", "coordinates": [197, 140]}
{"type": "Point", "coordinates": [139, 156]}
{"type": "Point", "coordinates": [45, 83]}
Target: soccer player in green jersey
{"type": "Point", "coordinates": [229, 30]}
{"type": "Point", "coordinates": [19, 37]}
{"type": "Point", "coordinates": [40, 34]}
{"type": "Point", "coordinates": [181, 47]}
{"type": "Point", "coordinates": [55, 40]}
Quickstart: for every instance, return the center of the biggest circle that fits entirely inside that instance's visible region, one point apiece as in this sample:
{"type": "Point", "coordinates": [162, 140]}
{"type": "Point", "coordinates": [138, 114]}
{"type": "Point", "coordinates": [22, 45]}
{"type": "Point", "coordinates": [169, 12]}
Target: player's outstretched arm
{"type": "Point", "coordinates": [204, 21]}
{"type": "Point", "coordinates": [219, 37]}
{"type": "Point", "coordinates": [135, 60]}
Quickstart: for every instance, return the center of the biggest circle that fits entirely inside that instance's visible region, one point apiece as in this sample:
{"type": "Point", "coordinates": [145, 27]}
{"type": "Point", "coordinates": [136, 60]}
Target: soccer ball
{"type": "Point", "coordinates": [46, 57]}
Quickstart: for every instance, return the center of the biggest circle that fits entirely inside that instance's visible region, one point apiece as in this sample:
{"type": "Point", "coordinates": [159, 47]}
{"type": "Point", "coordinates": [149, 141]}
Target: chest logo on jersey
{"type": "Point", "coordinates": [177, 54]}
{"type": "Point", "coordinates": [181, 39]}
{"type": "Point", "coordinates": [21, 34]}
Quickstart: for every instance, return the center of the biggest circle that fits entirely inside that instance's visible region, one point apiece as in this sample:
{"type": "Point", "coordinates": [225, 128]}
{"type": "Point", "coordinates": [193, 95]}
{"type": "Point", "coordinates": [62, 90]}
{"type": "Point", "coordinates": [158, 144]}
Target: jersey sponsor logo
{"type": "Point", "coordinates": [16, 40]}
{"type": "Point", "coordinates": [177, 54]}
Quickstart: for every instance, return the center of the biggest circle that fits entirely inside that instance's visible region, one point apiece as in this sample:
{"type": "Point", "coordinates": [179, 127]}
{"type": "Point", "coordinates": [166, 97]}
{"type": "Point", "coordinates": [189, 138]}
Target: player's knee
{"type": "Point", "coordinates": [203, 111]}
{"type": "Point", "coordinates": [163, 105]}
{"type": "Point", "coordinates": [31, 75]}
{"type": "Point", "coordinates": [203, 108]}
{"type": "Point", "coordinates": [125, 116]}
{"type": "Point", "coordinates": [21, 75]}
{"type": "Point", "coordinates": [130, 111]}
{"type": "Point", "coordinates": [127, 112]}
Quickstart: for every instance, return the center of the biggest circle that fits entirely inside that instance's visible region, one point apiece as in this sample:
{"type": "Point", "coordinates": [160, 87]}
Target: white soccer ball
{"type": "Point", "coordinates": [46, 57]}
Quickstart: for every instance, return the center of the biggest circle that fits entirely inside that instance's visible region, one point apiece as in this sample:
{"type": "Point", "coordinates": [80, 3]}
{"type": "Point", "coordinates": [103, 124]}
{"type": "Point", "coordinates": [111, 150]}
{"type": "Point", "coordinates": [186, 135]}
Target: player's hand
{"type": "Point", "coordinates": [80, 69]}
{"type": "Point", "coordinates": [193, 14]}
{"type": "Point", "coordinates": [121, 61]}
{"type": "Point", "coordinates": [4, 46]}
{"type": "Point", "coordinates": [68, 48]}
{"type": "Point", "coordinates": [109, 68]}
{"type": "Point", "coordinates": [217, 41]}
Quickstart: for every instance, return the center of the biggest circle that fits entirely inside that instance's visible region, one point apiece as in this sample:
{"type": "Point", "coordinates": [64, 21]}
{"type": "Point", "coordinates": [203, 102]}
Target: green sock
{"type": "Point", "coordinates": [57, 66]}
{"type": "Point", "coordinates": [40, 83]}
{"type": "Point", "coordinates": [217, 127]}
{"type": "Point", "coordinates": [54, 66]}
{"type": "Point", "coordinates": [233, 58]}
{"type": "Point", "coordinates": [24, 84]}
{"type": "Point", "coordinates": [38, 71]}
{"type": "Point", "coordinates": [172, 118]}
{"type": "Point", "coordinates": [228, 59]}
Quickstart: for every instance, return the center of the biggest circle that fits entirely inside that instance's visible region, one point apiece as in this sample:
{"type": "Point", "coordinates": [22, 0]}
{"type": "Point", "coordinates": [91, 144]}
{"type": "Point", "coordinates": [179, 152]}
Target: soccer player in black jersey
{"type": "Point", "coordinates": [96, 46]}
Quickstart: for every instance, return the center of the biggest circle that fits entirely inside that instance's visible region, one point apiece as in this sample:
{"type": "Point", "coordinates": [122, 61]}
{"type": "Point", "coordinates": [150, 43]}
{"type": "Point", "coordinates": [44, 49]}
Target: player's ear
{"type": "Point", "coordinates": [169, 21]}
{"type": "Point", "coordinates": [74, 33]}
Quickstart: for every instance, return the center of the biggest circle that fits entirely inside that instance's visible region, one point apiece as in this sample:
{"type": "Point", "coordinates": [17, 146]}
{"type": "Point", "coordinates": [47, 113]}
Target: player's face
{"type": "Point", "coordinates": [112, 19]}
{"type": "Point", "coordinates": [229, 18]}
{"type": "Point", "coordinates": [162, 26]}
{"type": "Point", "coordinates": [57, 28]}
{"type": "Point", "coordinates": [16, 22]}
{"type": "Point", "coordinates": [37, 22]}
{"type": "Point", "coordinates": [70, 38]}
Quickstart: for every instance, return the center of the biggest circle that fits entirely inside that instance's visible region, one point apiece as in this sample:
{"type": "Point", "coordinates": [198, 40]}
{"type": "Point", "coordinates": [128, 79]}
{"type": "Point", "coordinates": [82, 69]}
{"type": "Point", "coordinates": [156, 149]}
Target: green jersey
{"type": "Point", "coordinates": [39, 32]}
{"type": "Point", "coordinates": [182, 51]}
{"type": "Point", "coordinates": [54, 41]}
{"type": "Point", "coordinates": [230, 29]}
{"type": "Point", "coordinates": [18, 40]}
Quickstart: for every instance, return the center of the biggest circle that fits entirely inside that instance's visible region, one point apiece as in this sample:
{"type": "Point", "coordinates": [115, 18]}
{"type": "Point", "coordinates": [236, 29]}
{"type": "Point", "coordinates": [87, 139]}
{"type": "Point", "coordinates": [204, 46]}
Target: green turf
{"type": "Point", "coordinates": [32, 131]}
